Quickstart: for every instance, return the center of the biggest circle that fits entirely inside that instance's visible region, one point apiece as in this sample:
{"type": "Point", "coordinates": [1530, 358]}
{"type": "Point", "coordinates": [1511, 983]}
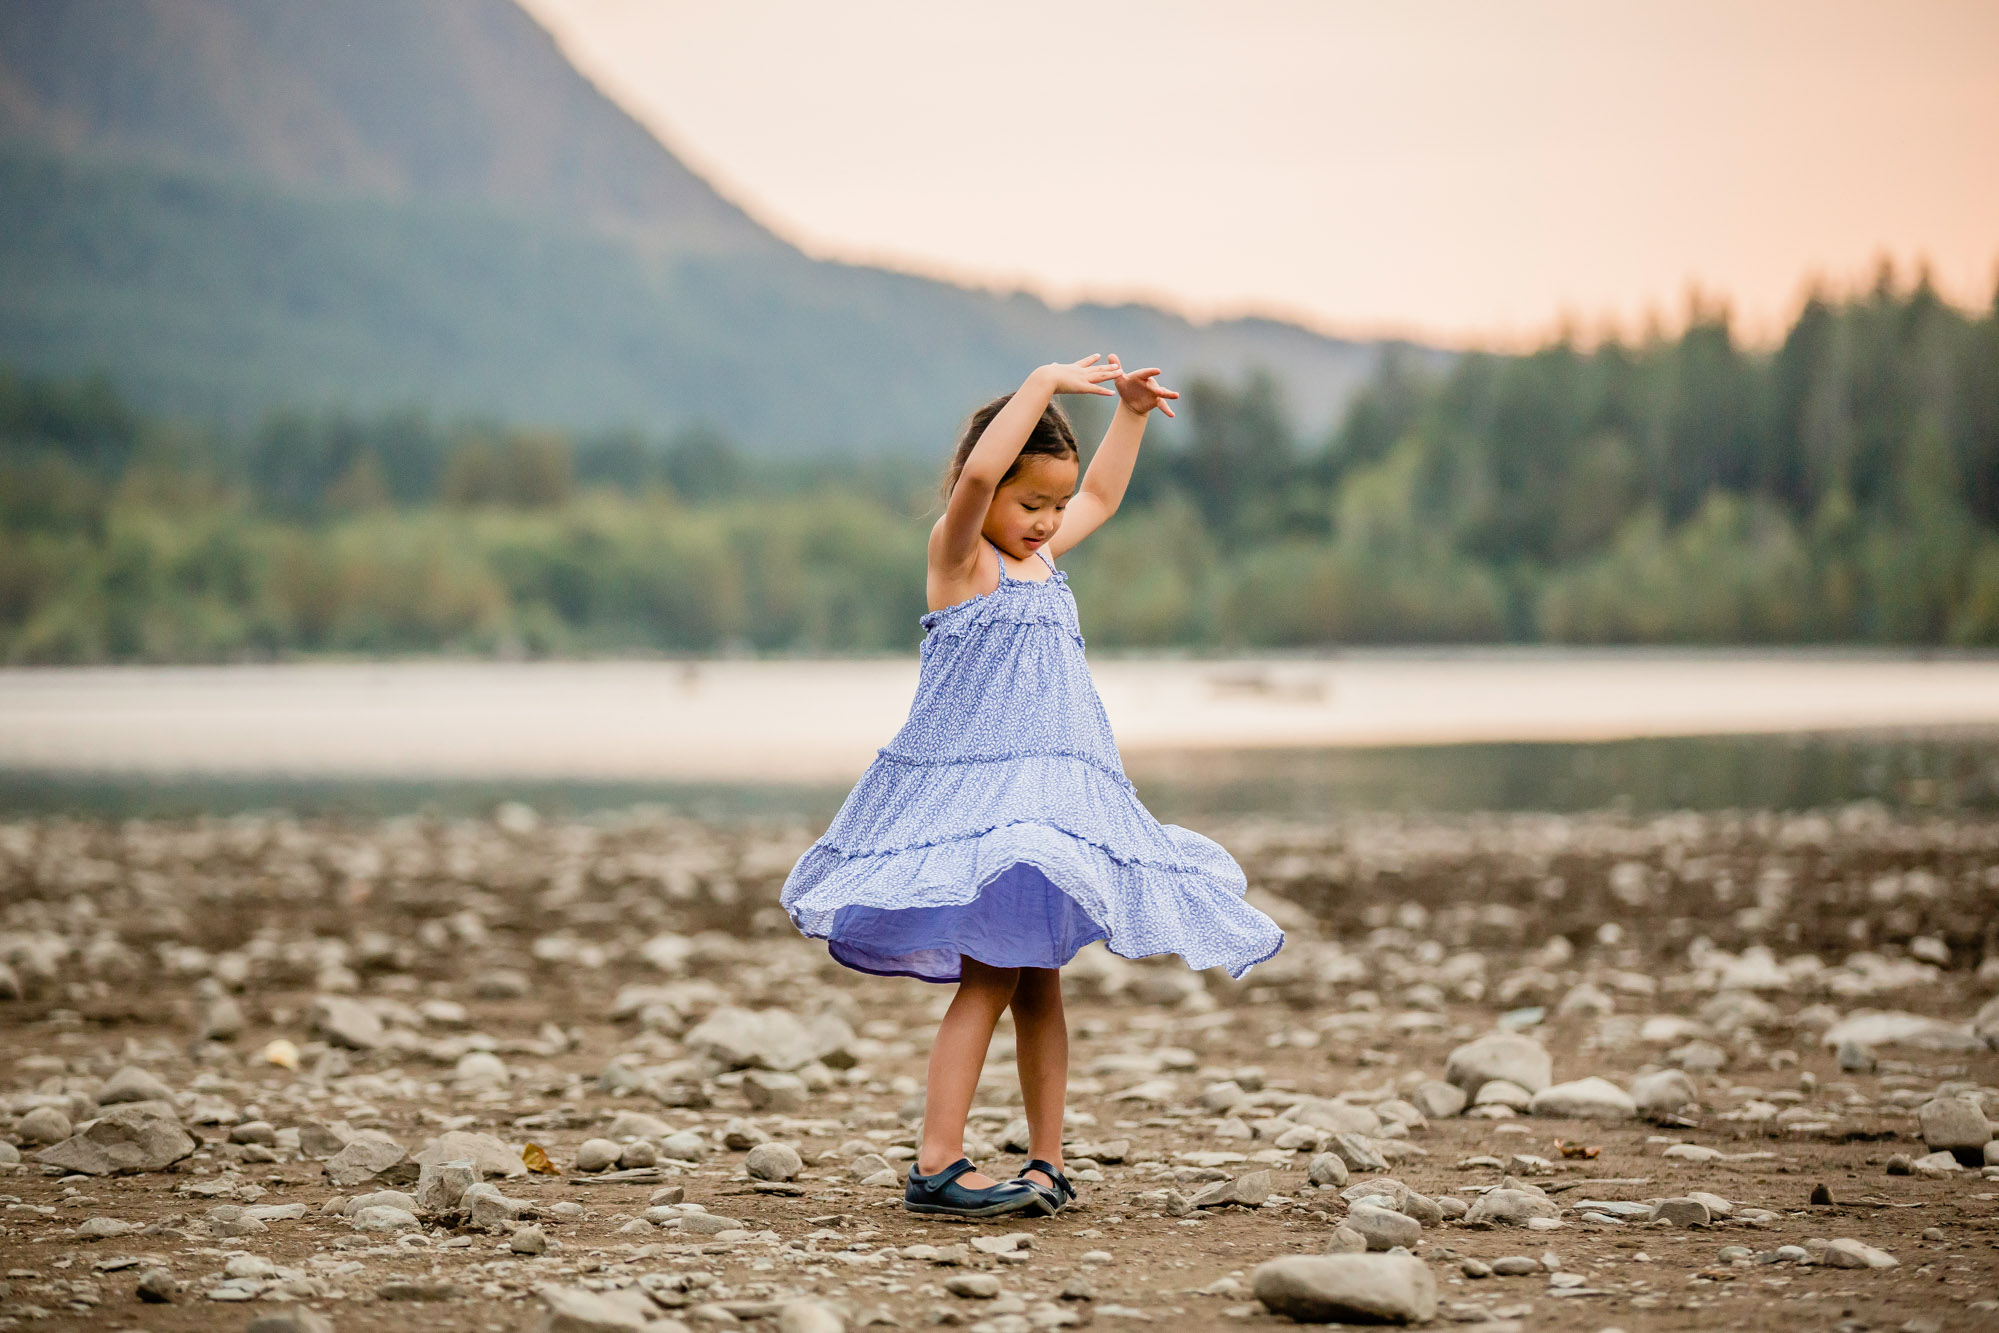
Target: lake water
{"type": "Point", "coordinates": [1293, 736]}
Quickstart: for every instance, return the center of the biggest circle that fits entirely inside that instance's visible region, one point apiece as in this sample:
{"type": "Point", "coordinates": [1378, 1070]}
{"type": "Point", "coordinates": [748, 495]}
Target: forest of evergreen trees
{"type": "Point", "coordinates": [1841, 488]}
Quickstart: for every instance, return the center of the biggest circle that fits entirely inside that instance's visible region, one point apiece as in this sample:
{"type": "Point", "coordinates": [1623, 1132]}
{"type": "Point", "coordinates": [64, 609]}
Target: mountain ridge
{"type": "Point", "coordinates": [235, 205]}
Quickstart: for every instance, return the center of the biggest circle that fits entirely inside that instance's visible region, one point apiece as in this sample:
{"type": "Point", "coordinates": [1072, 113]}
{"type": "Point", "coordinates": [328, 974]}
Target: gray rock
{"type": "Point", "coordinates": [809, 1316]}
{"type": "Point", "coordinates": [742, 1135]}
{"type": "Point", "coordinates": [1384, 1228]}
{"type": "Point", "coordinates": [1854, 1058]}
{"type": "Point", "coordinates": [638, 1153]}
{"type": "Point", "coordinates": [1336, 1116]}
{"type": "Point", "coordinates": [686, 1146]}
{"type": "Point", "coordinates": [528, 1240]}
{"type": "Point", "coordinates": [254, 1131]}
{"type": "Point", "coordinates": [319, 1141]}
{"type": "Point", "coordinates": [365, 1155]}
{"type": "Point", "coordinates": [1247, 1190]}
{"type": "Point", "coordinates": [1327, 1169]}
{"type": "Point", "coordinates": [489, 1156]}
{"type": "Point", "coordinates": [1856, 1254]}
{"type": "Point", "coordinates": [637, 1125]}
{"type": "Point", "coordinates": [1698, 1057]}
{"type": "Point", "coordinates": [1584, 1099]}
{"type": "Point", "coordinates": [291, 1321]}
{"type": "Point", "coordinates": [348, 1022]}
{"type": "Point", "coordinates": [1358, 1153]}
{"type": "Point", "coordinates": [597, 1155]}
{"type": "Point", "coordinates": [383, 1218]}
{"type": "Point", "coordinates": [708, 1224]}
{"type": "Point", "coordinates": [1500, 1055]}
{"type": "Point", "coordinates": [44, 1124]}
{"type": "Point", "coordinates": [1345, 1240]}
{"type": "Point", "coordinates": [1681, 1212]}
{"type": "Point", "coordinates": [157, 1287]}
{"type": "Point", "coordinates": [222, 1019]}
{"type": "Point", "coordinates": [771, 1039]}
{"type": "Point", "coordinates": [1503, 1092]}
{"type": "Point", "coordinates": [1400, 1197]}
{"type": "Point", "coordinates": [767, 1090]}
{"type": "Point", "coordinates": [133, 1084]}
{"type": "Point", "coordinates": [9, 1154]}
{"type": "Point", "coordinates": [575, 1310]}
{"type": "Point", "coordinates": [1516, 1265]}
{"type": "Point", "coordinates": [1663, 1092]}
{"type": "Point", "coordinates": [867, 1164]}
{"type": "Point", "coordinates": [440, 1185]}
{"type": "Point", "coordinates": [104, 1228]}
{"type": "Point", "coordinates": [1474, 1268]}
{"type": "Point", "coordinates": [124, 1139]}
{"type": "Point", "coordinates": [773, 1161]}
{"type": "Point", "coordinates": [1438, 1100]}
{"type": "Point", "coordinates": [381, 1199]}
{"type": "Point", "coordinates": [1348, 1288]}
{"type": "Point", "coordinates": [973, 1286]}
{"type": "Point", "coordinates": [1511, 1207]}
{"type": "Point", "coordinates": [1955, 1125]}
{"type": "Point", "coordinates": [486, 1209]}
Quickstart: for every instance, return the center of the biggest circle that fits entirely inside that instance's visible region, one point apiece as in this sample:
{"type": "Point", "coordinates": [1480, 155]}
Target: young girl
{"type": "Point", "coordinates": [997, 834]}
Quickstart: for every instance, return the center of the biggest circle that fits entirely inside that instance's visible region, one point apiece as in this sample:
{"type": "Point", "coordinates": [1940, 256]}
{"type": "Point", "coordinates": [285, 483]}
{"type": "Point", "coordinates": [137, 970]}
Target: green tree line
{"type": "Point", "coordinates": [1842, 487]}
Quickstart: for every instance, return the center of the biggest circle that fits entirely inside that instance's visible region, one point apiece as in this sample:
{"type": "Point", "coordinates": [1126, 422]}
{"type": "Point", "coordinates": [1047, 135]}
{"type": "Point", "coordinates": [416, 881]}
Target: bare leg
{"type": "Point", "coordinates": [955, 1062]}
{"type": "Point", "coordinates": [1041, 1036]}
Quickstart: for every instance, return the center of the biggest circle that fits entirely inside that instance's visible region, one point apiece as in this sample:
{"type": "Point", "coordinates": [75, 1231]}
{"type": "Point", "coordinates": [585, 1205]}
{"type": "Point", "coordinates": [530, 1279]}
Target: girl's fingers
{"type": "Point", "coordinates": [1088, 359]}
{"type": "Point", "coordinates": [1167, 410]}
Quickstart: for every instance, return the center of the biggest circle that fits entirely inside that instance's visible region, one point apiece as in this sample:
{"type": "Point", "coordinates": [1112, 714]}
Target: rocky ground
{"type": "Point", "coordinates": [1722, 1071]}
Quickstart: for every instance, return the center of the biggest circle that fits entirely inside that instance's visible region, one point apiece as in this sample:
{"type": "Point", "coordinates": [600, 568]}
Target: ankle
{"type": "Point", "coordinates": [929, 1162]}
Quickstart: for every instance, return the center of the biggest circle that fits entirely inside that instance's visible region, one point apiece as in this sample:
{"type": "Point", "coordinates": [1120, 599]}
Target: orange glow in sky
{"type": "Point", "coordinates": [1467, 171]}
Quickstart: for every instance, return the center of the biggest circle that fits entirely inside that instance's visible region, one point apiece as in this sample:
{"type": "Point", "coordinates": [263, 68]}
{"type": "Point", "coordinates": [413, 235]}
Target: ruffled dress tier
{"type": "Point", "coordinates": [999, 824]}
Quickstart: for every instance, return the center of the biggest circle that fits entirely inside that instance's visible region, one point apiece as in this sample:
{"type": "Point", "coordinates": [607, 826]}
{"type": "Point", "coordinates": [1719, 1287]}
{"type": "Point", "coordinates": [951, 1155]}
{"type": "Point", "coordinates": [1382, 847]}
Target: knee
{"type": "Point", "coordinates": [1039, 991]}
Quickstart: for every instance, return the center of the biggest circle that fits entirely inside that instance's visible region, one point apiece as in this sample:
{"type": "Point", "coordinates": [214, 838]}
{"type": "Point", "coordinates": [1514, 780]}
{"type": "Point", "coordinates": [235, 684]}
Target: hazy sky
{"type": "Point", "coordinates": [1467, 171]}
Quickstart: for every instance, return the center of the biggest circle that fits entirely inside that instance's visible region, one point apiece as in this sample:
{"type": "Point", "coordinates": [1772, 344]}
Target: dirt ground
{"type": "Point", "coordinates": [1691, 940]}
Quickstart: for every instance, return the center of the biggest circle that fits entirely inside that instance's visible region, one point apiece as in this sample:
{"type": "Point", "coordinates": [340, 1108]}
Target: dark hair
{"type": "Point", "coordinates": [1050, 438]}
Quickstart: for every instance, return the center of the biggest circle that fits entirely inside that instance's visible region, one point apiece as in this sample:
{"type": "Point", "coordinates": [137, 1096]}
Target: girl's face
{"type": "Point", "coordinates": [1027, 508]}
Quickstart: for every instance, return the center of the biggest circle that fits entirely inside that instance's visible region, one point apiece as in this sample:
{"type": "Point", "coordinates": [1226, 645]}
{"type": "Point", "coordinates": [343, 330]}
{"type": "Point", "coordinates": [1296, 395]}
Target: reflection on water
{"type": "Point", "coordinates": [1958, 772]}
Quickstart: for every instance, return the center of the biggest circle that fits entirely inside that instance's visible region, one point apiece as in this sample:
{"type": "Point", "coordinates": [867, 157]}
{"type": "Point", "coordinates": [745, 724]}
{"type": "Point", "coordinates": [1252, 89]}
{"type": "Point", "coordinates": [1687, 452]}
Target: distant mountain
{"type": "Point", "coordinates": [231, 205]}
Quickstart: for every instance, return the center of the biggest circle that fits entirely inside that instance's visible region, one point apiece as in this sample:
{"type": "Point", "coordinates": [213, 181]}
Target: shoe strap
{"type": "Point", "coordinates": [944, 1177]}
{"type": "Point", "coordinates": [1046, 1169]}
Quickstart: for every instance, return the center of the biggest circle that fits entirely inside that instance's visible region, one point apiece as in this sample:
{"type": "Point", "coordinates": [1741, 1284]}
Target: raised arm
{"type": "Point", "coordinates": [1139, 393]}
{"type": "Point", "coordinates": [954, 542]}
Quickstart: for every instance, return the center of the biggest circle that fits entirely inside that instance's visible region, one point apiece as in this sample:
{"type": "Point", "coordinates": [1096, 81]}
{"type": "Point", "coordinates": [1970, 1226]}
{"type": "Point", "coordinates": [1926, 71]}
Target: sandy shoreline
{"type": "Point", "coordinates": [821, 721]}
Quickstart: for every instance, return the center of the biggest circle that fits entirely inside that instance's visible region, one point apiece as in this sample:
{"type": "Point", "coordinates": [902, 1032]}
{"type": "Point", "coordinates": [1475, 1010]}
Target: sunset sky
{"type": "Point", "coordinates": [1466, 172]}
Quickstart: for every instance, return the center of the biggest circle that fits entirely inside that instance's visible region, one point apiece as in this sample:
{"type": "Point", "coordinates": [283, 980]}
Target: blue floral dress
{"type": "Point", "coordinates": [999, 824]}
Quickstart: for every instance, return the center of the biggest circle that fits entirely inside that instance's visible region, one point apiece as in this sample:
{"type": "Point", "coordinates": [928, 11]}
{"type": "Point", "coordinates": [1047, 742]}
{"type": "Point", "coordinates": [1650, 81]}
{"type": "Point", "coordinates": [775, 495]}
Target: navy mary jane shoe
{"type": "Point", "coordinates": [1054, 1198]}
{"type": "Point", "coordinates": [942, 1193]}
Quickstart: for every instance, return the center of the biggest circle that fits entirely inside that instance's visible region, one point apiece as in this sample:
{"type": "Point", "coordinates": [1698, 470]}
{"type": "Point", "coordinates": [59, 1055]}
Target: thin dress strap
{"type": "Point", "coordinates": [1005, 578]}
{"type": "Point", "coordinates": [1046, 561]}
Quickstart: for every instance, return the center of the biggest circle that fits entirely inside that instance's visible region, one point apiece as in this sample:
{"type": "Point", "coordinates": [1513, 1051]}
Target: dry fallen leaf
{"type": "Point", "coordinates": [1575, 1149]}
{"type": "Point", "coordinates": [282, 1053]}
{"type": "Point", "coordinates": [537, 1160]}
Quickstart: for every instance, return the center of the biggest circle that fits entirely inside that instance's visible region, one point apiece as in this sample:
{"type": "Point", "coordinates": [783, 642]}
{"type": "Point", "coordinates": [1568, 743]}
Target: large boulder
{"type": "Point", "coordinates": [1956, 1125]}
{"type": "Point", "coordinates": [1348, 1288]}
{"type": "Point", "coordinates": [366, 1154]}
{"type": "Point", "coordinates": [133, 1084]}
{"type": "Point", "coordinates": [488, 1154]}
{"type": "Point", "coordinates": [576, 1310]}
{"type": "Point", "coordinates": [125, 1139]}
{"type": "Point", "coordinates": [1506, 1056]}
{"type": "Point", "coordinates": [1585, 1099]}
{"type": "Point", "coordinates": [345, 1021]}
{"type": "Point", "coordinates": [1663, 1092]}
{"type": "Point", "coordinates": [771, 1038]}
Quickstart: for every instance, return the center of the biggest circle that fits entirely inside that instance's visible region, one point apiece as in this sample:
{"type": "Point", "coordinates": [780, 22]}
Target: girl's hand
{"type": "Point", "coordinates": [1084, 376]}
{"type": "Point", "coordinates": [1141, 390]}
